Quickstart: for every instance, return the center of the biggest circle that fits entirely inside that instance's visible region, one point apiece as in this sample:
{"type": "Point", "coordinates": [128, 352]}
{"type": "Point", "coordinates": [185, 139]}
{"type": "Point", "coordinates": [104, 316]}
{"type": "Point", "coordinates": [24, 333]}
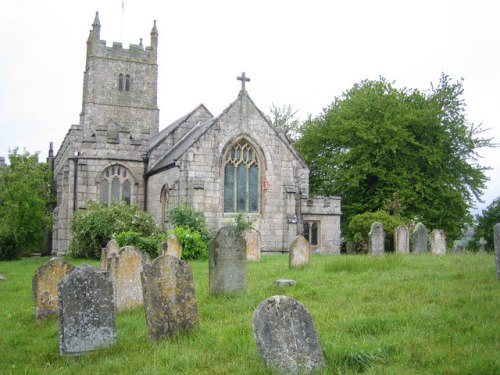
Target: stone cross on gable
{"type": "Point", "coordinates": [482, 244]}
{"type": "Point", "coordinates": [243, 79]}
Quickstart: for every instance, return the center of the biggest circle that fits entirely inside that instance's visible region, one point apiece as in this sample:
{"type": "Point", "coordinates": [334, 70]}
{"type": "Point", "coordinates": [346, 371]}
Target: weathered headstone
{"type": "Point", "coordinates": [125, 273]}
{"type": "Point", "coordinates": [458, 246]}
{"type": "Point", "coordinates": [111, 248]}
{"type": "Point", "coordinates": [169, 297]}
{"type": "Point", "coordinates": [298, 253]}
{"type": "Point", "coordinates": [284, 282]}
{"type": "Point", "coordinates": [227, 261]}
{"type": "Point", "coordinates": [172, 246]}
{"type": "Point", "coordinates": [482, 245]}
{"type": "Point", "coordinates": [496, 239]}
{"type": "Point", "coordinates": [44, 286]}
{"type": "Point", "coordinates": [376, 239]}
{"type": "Point", "coordinates": [438, 242]}
{"type": "Point", "coordinates": [349, 247]}
{"type": "Point", "coordinates": [86, 311]}
{"type": "Point", "coordinates": [252, 238]}
{"type": "Point", "coordinates": [286, 337]}
{"type": "Point", "coordinates": [420, 239]}
{"type": "Point", "coordinates": [401, 240]}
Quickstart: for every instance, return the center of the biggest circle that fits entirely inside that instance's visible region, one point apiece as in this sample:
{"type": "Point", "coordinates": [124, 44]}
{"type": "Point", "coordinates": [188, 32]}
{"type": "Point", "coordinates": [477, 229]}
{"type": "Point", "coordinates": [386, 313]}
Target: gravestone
{"type": "Point", "coordinates": [349, 247]}
{"type": "Point", "coordinates": [286, 337]}
{"type": "Point", "coordinates": [252, 238]}
{"type": "Point", "coordinates": [172, 246]}
{"type": "Point", "coordinates": [124, 271]}
{"type": "Point", "coordinates": [376, 239]}
{"type": "Point", "coordinates": [2, 277]}
{"type": "Point", "coordinates": [227, 261]}
{"type": "Point", "coordinates": [438, 242]}
{"type": "Point", "coordinates": [482, 245]}
{"type": "Point", "coordinates": [458, 246]}
{"type": "Point", "coordinates": [44, 285]}
{"type": "Point", "coordinates": [496, 240]}
{"type": "Point", "coordinates": [285, 282]}
{"type": "Point", "coordinates": [420, 239]}
{"type": "Point", "coordinates": [111, 248]}
{"type": "Point", "coordinates": [401, 240]}
{"type": "Point", "coordinates": [86, 311]}
{"type": "Point", "coordinates": [298, 253]}
{"type": "Point", "coordinates": [169, 297]}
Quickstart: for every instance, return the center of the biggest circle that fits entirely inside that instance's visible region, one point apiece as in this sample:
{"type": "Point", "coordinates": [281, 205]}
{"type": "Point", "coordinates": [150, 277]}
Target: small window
{"type": "Point", "coordinates": [120, 82]}
{"type": "Point", "coordinates": [127, 83]}
{"type": "Point", "coordinates": [311, 232]}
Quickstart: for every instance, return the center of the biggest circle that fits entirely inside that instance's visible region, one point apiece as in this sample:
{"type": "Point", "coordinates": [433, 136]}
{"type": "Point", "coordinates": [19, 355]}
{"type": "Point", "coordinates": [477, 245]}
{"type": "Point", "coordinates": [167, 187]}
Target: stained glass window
{"type": "Point", "coordinates": [115, 185]}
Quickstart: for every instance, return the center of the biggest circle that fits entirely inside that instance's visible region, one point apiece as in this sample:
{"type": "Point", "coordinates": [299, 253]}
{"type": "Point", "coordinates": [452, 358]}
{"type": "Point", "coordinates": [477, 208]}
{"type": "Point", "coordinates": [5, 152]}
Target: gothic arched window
{"type": "Point", "coordinates": [241, 179]}
{"type": "Point", "coordinates": [311, 232]}
{"type": "Point", "coordinates": [116, 185]}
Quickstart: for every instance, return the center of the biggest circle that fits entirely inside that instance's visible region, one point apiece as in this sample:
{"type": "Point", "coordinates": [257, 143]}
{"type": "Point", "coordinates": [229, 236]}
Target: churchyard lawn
{"type": "Point", "coordinates": [377, 315]}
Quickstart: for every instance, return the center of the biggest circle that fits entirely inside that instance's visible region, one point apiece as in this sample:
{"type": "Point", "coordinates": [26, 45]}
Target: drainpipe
{"type": "Point", "coordinates": [145, 159]}
{"type": "Point", "coordinates": [75, 183]}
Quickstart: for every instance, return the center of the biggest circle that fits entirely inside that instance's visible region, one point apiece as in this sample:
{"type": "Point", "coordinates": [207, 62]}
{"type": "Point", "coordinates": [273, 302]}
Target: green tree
{"type": "Point", "coordinates": [25, 205]}
{"type": "Point", "coordinates": [404, 151]}
{"type": "Point", "coordinates": [485, 222]}
{"type": "Point", "coordinates": [283, 119]}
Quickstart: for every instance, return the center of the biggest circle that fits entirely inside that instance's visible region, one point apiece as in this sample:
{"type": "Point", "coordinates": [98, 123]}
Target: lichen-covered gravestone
{"type": "Point", "coordinates": [298, 253]}
{"type": "Point", "coordinates": [172, 246]}
{"type": "Point", "coordinates": [169, 297]}
{"type": "Point", "coordinates": [44, 286]}
{"type": "Point", "coordinates": [227, 261]}
{"type": "Point", "coordinates": [125, 272]}
{"type": "Point", "coordinates": [496, 239]}
{"type": "Point", "coordinates": [87, 311]}
{"type": "Point", "coordinates": [376, 239]}
{"type": "Point", "coordinates": [111, 248]}
{"type": "Point", "coordinates": [420, 239]}
{"type": "Point", "coordinates": [438, 242]}
{"type": "Point", "coordinates": [252, 238]}
{"type": "Point", "coordinates": [286, 337]}
{"type": "Point", "coordinates": [401, 240]}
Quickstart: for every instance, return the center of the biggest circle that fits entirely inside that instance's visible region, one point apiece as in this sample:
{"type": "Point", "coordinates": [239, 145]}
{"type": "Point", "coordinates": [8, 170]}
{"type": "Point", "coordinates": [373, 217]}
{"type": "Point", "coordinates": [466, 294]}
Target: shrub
{"type": "Point", "coordinates": [189, 218]}
{"type": "Point", "coordinates": [8, 247]}
{"type": "Point", "coordinates": [149, 245]}
{"type": "Point", "coordinates": [93, 227]}
{"type": "Point", "coordinates": [193, 245]}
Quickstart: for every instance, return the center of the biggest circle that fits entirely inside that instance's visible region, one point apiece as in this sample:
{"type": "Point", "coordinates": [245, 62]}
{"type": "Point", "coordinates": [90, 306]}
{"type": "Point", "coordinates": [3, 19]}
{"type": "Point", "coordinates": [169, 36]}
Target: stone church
{"type": "Point", "coordinates": [223, 165]}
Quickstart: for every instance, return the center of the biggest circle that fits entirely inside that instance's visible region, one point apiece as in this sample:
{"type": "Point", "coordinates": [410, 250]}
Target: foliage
{"type": "Point", "coordinates": [360, 226]}
{"type": "Point", "coordinates": [25, 205]}
{"type": "Point", "coordinates": [404, 151]}
{"type": "Point", "coordinates": [283, 119]}
{"type": "Point", "coordinates": [147, 244]}
{"type": "Point", "coordinates": [189, 218]}
{"type": "Point", "coordinates": [93, 227]}
{"type": "Point", "coordinates": [485, 222]}
{"type": "Point", "coordinates": [193, 245]}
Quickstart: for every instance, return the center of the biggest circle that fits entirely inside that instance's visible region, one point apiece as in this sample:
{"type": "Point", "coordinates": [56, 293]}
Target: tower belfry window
{"type": "Point", "coordinates": [127, 83]}
{"type": "Point", "coordinates": [120, 82]}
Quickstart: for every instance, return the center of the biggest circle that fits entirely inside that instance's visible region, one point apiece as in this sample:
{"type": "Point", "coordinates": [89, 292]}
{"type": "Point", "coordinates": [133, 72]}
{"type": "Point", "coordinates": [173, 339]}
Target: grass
{"type": "Point", "coordinates": [374, 315]}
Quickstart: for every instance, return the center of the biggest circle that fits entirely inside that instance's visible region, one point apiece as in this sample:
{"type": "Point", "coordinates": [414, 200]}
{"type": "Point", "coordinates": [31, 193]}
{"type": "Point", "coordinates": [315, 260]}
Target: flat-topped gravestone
{"type": "Point", "coordinates": [111, 248]}
{"type": "Point", "coordinates": [286, 337]}
{"type": "Point", "coordinates": [401, 240]}
{"type": "Point", "coordinates": [44, 286]}
{"type": "Point", "coordinates": [227, 261]}
{"type": "Point", "coordinates": [252, 238]}
{"type": "Point", "coordinates": [87, 311]}
{"type": "Point", "coordinates": [284, 282]}
{"type": "Point", "coordinates": [172, 246]}
{"type": "Point", "coordinates": [420, 239]}
{"type": "Point", "coordinates": [169, 297]}
{"type": "Point", "coordinates": [438, 242]}
{"type": "Point", "coordinates": [298, 253]}
{"type": "Point", "coordinates": [376, 239]}
{"type": "Point", "coordinates": [125, 272]}
{"type": "Point", "coordinates": [496, 239]}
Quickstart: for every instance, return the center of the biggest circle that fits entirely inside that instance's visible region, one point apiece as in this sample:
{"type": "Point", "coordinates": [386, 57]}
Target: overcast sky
{"type": "Point", "coordinates": [298, 53]}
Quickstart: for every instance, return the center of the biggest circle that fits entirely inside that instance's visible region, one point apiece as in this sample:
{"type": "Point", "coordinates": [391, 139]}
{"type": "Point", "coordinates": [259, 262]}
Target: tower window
{"type": "Point", "coordinates": [120, 82]}
{"type": "Point", "coordinates": [124, 82]}
{"type": "Point", "coordinates": [127, 83]}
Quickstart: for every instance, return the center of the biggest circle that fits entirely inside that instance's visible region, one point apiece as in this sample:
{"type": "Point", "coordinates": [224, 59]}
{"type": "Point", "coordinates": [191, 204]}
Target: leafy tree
{"type": "Point", "coordinates": [25, 205]}
{"type": "Point", "coordinates": [404, 151]}
{"type": "Point", "coordinates": [485, 222]}
{"type": "Point", "coordinates": [283, 119]}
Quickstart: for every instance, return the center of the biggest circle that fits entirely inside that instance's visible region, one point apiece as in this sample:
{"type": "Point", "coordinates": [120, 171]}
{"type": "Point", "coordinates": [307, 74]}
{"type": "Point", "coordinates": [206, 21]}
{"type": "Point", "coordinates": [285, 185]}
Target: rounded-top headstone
{"type": "Point", "coordinates": [286, 337]}
{"type": "Point", "coordinates": [376, 239]}
{"type": "Point", "coordinates": [298, 253]}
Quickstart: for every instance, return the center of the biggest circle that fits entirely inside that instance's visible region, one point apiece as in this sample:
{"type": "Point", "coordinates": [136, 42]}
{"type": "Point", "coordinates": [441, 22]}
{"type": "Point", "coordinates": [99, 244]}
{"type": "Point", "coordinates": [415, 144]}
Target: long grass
{"type": "Point", "coordinates": [374, 315]}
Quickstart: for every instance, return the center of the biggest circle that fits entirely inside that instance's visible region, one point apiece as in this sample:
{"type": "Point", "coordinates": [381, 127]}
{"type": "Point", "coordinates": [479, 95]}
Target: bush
{"type": "Point", "coordinates": [193, 245]}
{"type": "Point", "coordinates": [189, 218]}
{"type": "Point", "coordinates": [93, 227]}
{"type": "Point", "coordinates": [360, 226]}
{"type": "Point", "coordinates": [8, 247]}
{"type": "Point", "coordinates": [149, 245]}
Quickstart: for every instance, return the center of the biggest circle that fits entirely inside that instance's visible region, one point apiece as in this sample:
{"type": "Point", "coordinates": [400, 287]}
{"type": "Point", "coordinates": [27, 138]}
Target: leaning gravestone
{"type": "Point", "coordinates": [87, 311]}
{"type": "Point", "coordinates": [111, 248]}
{"type": "Point", "coordinates": [401, 240]}
{"type": "Point", "coordinates": [169, 297]}
{"type": "Point", "coordinates": [172, 246]}
{"type": "Point", "coordinates": [298, 253]}
{"type": "Point", "coordinates": [376, 239]}
{"type": "Point", "coordinates": [496, 236]}
{"type": "Point", "coordinates": [286, 337]}
{"type": "Point", "coordinates": [252, 238]}
{"type": "Point", "coordinates": [420, 239]}
{"type": "Point", "coordinates": [44, 286]}
{"type": "Point", "coordinates": [125, 270]}
{"type": "Point", "coordinates": [438, 242]}
{"type": "Point", "coordinates": [227, 261]}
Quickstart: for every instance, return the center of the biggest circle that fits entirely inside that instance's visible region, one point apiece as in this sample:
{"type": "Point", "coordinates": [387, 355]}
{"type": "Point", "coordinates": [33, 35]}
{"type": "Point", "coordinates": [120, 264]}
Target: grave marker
{"type": "Point", "coordinates": [376, 239]}
{"type": "Point", "coordinates": [401, 240]}
{"type": "Point", "coordinates": [252, 238]}
{"type": "Point", "coordinates": [420, 239]}
{"type": "Point", "coordinates": [438, 242]}
{"type": "Point", "coordinates": [298, 253]}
